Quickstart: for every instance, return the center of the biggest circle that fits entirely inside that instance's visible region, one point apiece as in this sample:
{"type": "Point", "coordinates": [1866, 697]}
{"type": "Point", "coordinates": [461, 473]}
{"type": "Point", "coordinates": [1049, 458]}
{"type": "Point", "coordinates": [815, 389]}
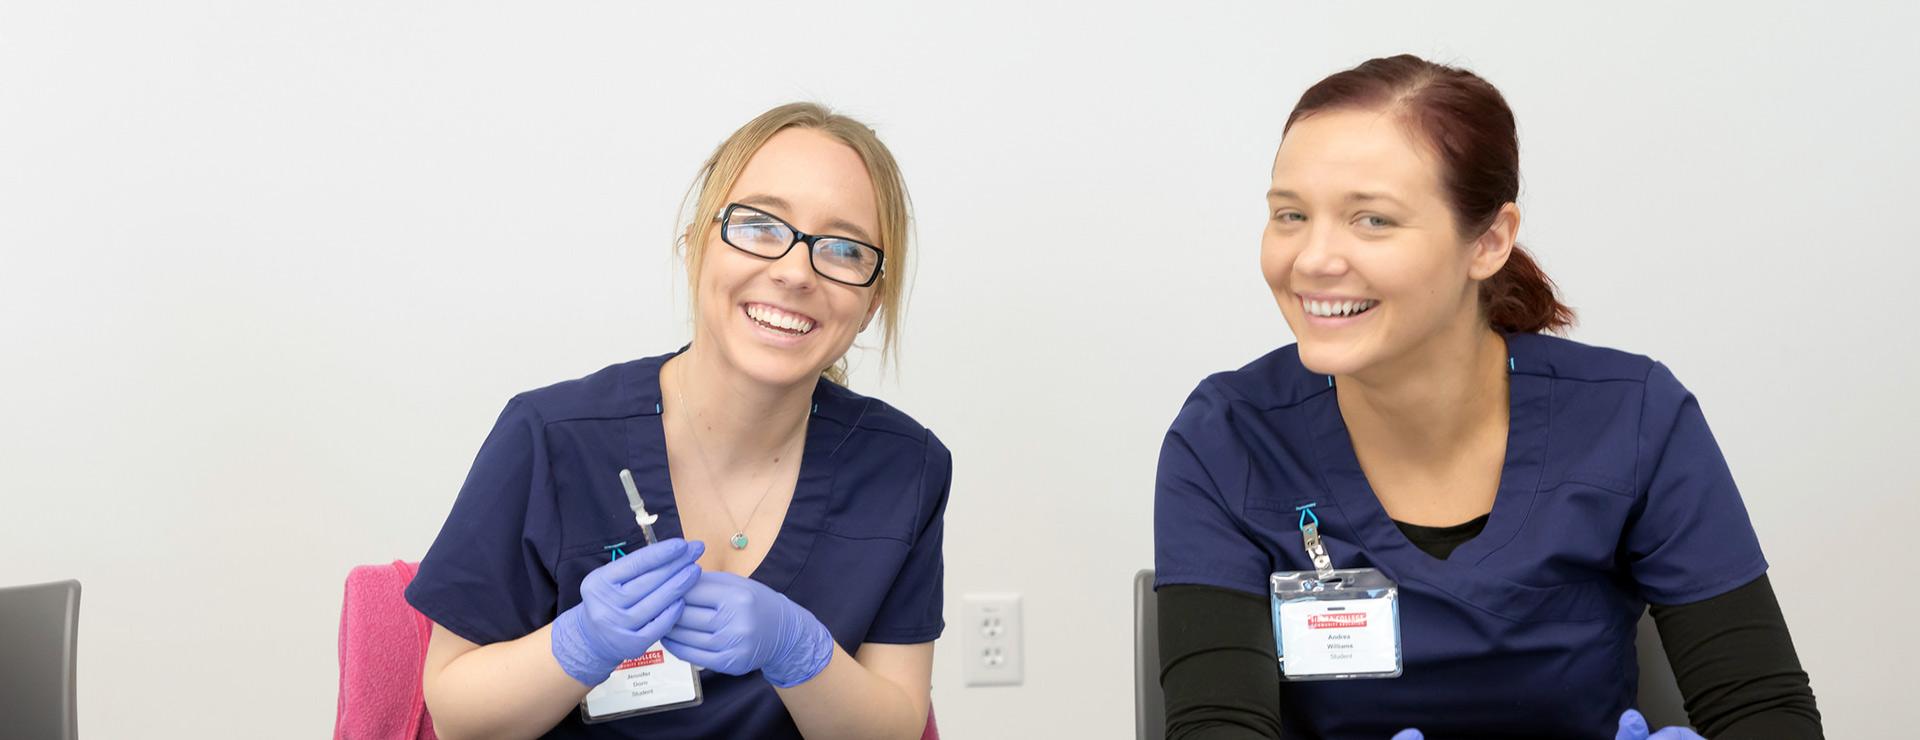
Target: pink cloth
{"type": "Point", "coordinates": [383, 644]}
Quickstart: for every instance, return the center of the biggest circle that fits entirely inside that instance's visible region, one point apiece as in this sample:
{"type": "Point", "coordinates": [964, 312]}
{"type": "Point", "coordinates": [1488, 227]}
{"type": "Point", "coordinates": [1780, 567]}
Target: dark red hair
{"type": "Point", "coordinates": [1467, 123]}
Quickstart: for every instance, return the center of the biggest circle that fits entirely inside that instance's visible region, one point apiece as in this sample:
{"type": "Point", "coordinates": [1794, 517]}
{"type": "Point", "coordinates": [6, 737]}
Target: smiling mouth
{"type": "Point", "coordinates": [1337, 309]}
{"type": "Point", "coordinates": [780, 320]}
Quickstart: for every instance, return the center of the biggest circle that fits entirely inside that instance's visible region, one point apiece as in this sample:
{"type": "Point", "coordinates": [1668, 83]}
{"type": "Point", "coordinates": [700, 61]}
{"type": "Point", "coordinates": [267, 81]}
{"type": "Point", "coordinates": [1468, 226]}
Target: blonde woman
{"type": "Point", "coordinates": [797, 567]}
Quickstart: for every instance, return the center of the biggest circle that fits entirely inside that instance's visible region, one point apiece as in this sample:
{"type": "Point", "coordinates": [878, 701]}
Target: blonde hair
{"type": "Point", "coordinates": [708, 197]}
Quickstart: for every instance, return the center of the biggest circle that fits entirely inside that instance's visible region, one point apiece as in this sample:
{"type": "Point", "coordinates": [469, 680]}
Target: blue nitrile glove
{"type": "Point", "coordinates": [1633, 726]}
{"type": "Point", "coordinates": [625, 607]}
{"type": "Point", "coordinates": [736, 625]}
{"type": "Point", "coordinates": [1409, 734]}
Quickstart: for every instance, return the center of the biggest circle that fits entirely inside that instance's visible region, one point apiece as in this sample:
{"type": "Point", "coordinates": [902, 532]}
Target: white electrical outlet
{"type": "Point", "coordinates": [990, 640]}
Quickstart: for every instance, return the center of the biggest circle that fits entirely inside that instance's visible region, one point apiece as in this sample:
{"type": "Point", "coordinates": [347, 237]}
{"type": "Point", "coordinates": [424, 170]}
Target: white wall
{"type": "Point", "coordinates": [269, 270]}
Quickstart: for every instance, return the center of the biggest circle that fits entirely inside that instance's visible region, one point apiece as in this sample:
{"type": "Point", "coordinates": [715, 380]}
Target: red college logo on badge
{"type": "Point", "coordinates": [653, 657]}
{"type": "Point", "coordinates": [1337, 621]}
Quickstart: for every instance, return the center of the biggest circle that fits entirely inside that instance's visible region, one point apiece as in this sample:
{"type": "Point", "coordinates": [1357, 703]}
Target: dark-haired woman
{"type": "Point", "coordinates": [1527, 496]}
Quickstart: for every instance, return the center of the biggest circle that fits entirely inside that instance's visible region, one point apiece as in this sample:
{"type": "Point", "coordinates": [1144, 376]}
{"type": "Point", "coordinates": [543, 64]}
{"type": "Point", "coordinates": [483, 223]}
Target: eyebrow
{"type": "Point", "coordinates": [1361, 197]}
{"type": "Point", "coordinates": [837, 224]}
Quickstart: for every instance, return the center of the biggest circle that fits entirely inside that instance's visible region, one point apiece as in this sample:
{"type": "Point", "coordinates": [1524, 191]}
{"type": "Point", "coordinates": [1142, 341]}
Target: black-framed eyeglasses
{"type": "Point", "coordinates": [764, 235]}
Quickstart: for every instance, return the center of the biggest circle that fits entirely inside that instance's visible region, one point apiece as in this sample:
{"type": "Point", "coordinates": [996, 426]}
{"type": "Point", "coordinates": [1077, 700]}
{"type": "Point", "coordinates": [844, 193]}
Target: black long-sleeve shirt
{"type": "Point", "coordinates": [1732, 657]}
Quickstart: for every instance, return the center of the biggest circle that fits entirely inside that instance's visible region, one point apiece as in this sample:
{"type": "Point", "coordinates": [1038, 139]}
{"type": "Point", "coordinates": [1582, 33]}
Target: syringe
{"type": "Point", "coordinates": [639, 507]}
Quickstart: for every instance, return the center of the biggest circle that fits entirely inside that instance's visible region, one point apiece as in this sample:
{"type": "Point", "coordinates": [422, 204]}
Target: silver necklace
{"type": "Point", "coordinates": [739, 538]}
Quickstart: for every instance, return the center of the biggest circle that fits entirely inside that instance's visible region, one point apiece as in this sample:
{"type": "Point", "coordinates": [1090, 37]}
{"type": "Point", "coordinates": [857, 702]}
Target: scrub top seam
{"type": "Point", "coordinates": [1475, 604]}
{"type": "Point", "coordinates": [1204, 468]}
{"type": "Point", "coordinates": [857, 425]}
{"type": "Point", "coordinates": [920, 503]}
{"type": "Point", "coordinates": [1164, 578]}
{"type": "Point", "coordinates": [1639, 439]}
{"type": "Point", "coordinates": [858, 538]}
{"type": "Point", "coordinates": [553, 492]}
{"type": "Point", "coordinates": [1557, 376]}
{"type": "Point", "coordinates": [1281, 406]}
{"type": "Point", "coordinates": [850, 428]}
{"type": "Point", "coordinates": [450, 618]}
{"type": "Point", "coordinates": [1539, 480]}
{"type": "Point", "coordinates": [559, 513]}
{"type": "Point", "coordinates": [1716, 587]}
{"type": "Point", "coordinates": [1238, 517]}
{"type": "Point", "coordinates": [919, 634]}
{"type": "Point", "coordinates": [622, 417]}
{"type": "Point", "coordinates": [876, 430]}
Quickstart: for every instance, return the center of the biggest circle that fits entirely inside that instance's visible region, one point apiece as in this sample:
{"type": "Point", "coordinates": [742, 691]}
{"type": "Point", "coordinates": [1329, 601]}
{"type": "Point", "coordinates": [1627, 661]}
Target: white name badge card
{"type": "Point", "coordinates": [654, 682]}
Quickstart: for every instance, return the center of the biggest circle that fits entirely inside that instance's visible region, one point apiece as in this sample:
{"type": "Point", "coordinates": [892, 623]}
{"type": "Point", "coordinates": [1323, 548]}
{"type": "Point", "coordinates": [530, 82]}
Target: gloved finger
{"type": "Point", "coordinates": [700, 657]}
{"type": "Point", "coordinates": [701, 619]}
{"type": "Point", "coordinates": [1676, 732]}
{"type": "Point", "coordinates": [1632, 726]}
{"type": "Point", "coordinates": [669, 592]}
{"type": "Point", "coordinates": [649, 558]}
{"type": "Point", "coordinates": [651, 632]}
{"type": "Point", "coordinates": [716, 588]}
{"type": "Point", "coordinates": [633, 591]}
{"type": "Point", "coordinates": [710, 641]}
{"type": "Point", "coordinates": [1409, 734]}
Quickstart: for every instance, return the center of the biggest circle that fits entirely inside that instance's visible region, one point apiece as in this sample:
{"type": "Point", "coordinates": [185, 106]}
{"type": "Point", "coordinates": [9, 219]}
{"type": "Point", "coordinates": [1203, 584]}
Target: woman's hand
{"type": "Point", "coordinates": [625, 607]}
{"type": "Point", "coordinates": [737, 625]}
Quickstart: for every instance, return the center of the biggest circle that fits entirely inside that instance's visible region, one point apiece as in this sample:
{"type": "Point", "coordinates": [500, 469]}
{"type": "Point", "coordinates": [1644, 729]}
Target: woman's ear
{"type": "Point", "coordinates": [1491, 250]}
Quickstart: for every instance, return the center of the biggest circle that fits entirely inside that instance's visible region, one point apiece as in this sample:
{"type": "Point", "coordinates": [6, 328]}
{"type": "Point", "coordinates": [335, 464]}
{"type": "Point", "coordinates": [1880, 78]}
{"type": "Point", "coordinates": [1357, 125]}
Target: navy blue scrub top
{"type": "Point", "coordinates": [543, 506]}
{"type": "Point", "coordinates": [1613, 495]}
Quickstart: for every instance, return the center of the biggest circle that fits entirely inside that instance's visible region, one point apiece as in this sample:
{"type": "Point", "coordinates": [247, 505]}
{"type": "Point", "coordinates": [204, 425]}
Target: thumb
{"type": "Point", "coordinates": [1632, 726]}
{"type": "Point", "coordinates": [1409, 734]}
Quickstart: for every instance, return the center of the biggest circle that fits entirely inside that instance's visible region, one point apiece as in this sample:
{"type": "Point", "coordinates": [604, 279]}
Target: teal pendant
{"type": "Point", "coordinates": [739, 540]}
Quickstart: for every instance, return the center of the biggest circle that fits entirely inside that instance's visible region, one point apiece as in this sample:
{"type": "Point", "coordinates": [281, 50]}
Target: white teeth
{"type": "Point", "coordinates": [779, 319]}
{"type": "Point", "coordinates": [1333, 309]}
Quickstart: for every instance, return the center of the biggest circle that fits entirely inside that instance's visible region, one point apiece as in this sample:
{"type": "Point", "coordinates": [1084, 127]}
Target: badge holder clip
{"type": "Point", "coordinates": [1333, 624]}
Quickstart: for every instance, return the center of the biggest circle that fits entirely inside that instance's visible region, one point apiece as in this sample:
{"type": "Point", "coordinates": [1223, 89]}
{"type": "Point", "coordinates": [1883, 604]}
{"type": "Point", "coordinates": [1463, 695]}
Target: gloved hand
{"type": "Point", "coordinates": [625, 607]}
{"type": "Point", "coordinates": [1633, 726]}
{"type": "Point", "coordinates": [736, 625]}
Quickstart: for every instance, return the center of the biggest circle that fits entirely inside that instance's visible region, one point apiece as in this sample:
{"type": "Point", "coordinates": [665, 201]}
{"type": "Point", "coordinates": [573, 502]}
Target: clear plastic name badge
{"type": "Point", "coordinates": [654, 682]}
{"type": "Point", "coordinates": [1345, 626]}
